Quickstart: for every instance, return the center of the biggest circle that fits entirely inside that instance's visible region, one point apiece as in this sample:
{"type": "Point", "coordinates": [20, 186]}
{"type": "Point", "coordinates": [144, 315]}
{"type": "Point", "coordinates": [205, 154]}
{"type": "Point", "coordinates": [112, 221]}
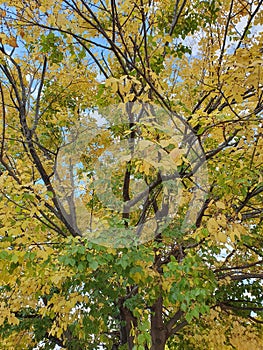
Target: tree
{"type": "Point", "coordinates": [144, 233]}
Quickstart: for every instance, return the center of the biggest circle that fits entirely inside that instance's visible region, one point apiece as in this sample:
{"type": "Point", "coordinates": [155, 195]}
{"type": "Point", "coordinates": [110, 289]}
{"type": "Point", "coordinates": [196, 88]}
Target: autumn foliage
{"type": "Point", "coordinates": [178, 82]}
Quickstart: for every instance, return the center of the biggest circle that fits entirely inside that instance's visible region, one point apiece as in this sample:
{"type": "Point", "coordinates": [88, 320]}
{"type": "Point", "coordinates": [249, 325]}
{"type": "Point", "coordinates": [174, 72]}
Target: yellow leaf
{"type": "Point", "coordinates": [43, 254]}
{"type": "Point", "coordinates": [236, 231]}
{"type": "Point", "coordinates": [113, 83]}
{"type": "Point", "coordinates": [212, 225]}
{"type": "Point", "coordinates": [13, 320]}
{"type": "Point", "coordinates": [165, 143]}
{"type": "Point", "coordinates": [176, 156]}
{"type": "Point", "coordinates": [12, 42]}
{"type": "Point", "coordinates": [56, 279]}
{"type": "Point", "coordinates": [137, 277]}
{"type": "Point", "coordinates": [166, 285]}
{"type": "Point", "coordinates": [2, 37]}
{"type": "Point", "coordinates": [220, 205]}
{"type": "Point", "coordinates": [221, 219]}
{"type": "Point", "coordinates": [129, 97]}
{"type": "Point", "coordinates": [146, 168]}
{"type": "Point", "coordinates": [221, 237]}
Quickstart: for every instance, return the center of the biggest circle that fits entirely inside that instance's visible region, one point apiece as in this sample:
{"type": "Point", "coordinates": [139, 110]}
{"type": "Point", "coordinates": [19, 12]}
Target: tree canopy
{"type": "Point", "coordinates": [131, 188]}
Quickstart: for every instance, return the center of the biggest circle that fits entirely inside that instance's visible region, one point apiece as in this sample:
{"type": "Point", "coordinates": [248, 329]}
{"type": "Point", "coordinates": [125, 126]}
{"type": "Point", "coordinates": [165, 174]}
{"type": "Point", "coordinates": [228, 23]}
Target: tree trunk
{"type": "Point", "coordinates": [159, 332]}
{"type": "Point", "coordinates": [128, 321]}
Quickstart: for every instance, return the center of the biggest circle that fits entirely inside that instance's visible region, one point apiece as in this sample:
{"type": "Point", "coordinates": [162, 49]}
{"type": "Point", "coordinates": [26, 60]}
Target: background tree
{"type": "Point", "coordinates": [201, 62]}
